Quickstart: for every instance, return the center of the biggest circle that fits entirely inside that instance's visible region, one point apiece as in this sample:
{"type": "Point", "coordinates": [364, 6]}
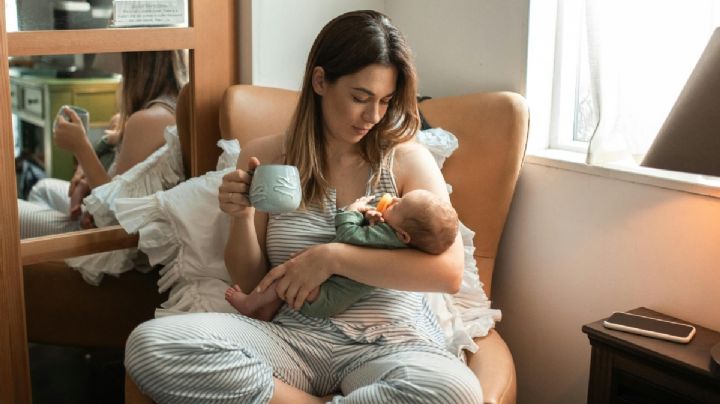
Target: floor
{"type": "Point", "coordinates": [76, 375]}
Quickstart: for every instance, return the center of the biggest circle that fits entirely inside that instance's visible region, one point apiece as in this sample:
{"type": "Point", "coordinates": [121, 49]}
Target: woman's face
{"type": "Point", "coordinates": [354, 103]}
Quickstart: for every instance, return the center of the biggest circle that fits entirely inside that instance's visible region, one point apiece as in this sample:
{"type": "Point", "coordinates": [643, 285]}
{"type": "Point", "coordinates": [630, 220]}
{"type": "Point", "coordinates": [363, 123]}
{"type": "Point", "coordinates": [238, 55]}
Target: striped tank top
{"type": "Point", "coordinates": [383, 316]}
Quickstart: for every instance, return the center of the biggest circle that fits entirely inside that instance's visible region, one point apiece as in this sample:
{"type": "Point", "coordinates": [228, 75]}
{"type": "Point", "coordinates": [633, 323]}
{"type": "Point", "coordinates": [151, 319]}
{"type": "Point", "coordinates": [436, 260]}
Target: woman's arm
{"type": "Point", "coordinates": [245, 257]}
{"type": "Point", "coordinates": [414, 168]}
{"type": "Point", "coordinates": [143, 134]}
{"type": "Point", "coordinates": [406, 269]}
{"type": "Point", "coordinates": [71, 136]}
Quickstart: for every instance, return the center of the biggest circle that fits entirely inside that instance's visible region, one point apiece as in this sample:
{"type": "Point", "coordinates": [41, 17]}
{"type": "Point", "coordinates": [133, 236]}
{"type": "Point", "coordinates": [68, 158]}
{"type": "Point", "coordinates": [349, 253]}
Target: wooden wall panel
{"type": "Point", "coordinates": [99, 40]}
{"type": "Point", "coordinates": [14, 370]}
{"type": "Point", "coordinates": [59, 246]}
{"type": "Point", "coordinates": [218, 52]}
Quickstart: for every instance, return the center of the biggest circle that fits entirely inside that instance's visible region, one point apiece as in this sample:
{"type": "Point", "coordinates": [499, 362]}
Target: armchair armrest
{"type": "Point", "coordinates": [493, 365]}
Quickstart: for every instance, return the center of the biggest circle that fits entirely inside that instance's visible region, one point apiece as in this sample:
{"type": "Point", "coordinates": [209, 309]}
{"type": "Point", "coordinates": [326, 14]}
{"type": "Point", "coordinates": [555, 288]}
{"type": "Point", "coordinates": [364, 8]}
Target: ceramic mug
{"type": "Point", "coordinates": [275, 188]}
{"type": "Point", "coordinates": [82, 113]}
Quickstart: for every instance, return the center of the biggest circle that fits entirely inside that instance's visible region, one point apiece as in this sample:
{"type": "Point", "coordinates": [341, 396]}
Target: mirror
{"type": "Point", "coordinates": [42, 85]}
{"type": "Point", "coordinates": [36, 15]}
{"type": "Point", "coordinates": [214, 46]}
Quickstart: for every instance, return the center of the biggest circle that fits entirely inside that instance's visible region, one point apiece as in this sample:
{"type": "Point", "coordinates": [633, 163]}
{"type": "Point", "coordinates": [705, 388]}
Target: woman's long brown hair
{"type": "Point", "coordinates": [149, 75]}
{"type": "Point", "coordinates": [346, 45]}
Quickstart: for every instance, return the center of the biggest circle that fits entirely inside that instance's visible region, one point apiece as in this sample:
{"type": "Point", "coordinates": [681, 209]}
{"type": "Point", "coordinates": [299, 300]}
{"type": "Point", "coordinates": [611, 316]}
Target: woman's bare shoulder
{"type": "Point", "coordinates": [412, 154]}
{"type": "Point", "coordinates": [151, 114]}
{"type": "Point", "coordinates": [415, 168]}
{"type": "Point", "coordinates": [147, 127]}
{"type": "Point", "coordinates": [149, 120]}
{"type": "Point", "coordinates": [268, 149]}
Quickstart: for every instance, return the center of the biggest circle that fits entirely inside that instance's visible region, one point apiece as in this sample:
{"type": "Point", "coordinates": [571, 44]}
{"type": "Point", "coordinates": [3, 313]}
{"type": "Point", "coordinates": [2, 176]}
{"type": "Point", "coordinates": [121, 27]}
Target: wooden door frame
{"type": "Point", "coordinates": [213, 39]}
{"type": "Point", "coordinates": [14, 366]}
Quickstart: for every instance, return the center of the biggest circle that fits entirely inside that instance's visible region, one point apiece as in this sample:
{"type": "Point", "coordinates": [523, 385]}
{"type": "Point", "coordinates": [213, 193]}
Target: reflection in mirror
{"type": "Point", "coordinates": [35, 15]}
{"type": "Point", "coordinates": [121, 106]}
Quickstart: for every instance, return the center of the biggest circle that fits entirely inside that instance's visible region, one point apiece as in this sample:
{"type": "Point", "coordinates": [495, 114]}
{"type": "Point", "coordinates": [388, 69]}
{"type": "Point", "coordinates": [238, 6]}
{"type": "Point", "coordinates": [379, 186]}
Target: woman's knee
{"type": "Point", "coordinates": [460, 386]}
{"type": "Point", "coordinates": [415, 377]}
{"type": "Point", "coordinates": [42, 190]}
{"type": "Point", "coordinates": [447, 384]}
{"type": "Point", "coordinates": [143, 349]}
{"type": "Point", "coordinates": [168, 357]}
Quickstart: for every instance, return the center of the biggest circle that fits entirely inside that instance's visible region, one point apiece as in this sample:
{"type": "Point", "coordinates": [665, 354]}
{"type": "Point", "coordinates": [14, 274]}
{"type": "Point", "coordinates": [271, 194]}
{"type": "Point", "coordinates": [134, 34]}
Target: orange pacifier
{"type": "Point", "coordinates": [384, 203]}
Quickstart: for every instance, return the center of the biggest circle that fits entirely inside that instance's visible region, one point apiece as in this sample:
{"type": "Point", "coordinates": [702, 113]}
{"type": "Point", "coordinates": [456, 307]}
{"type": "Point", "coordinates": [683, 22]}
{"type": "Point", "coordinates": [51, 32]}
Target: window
{"type": "Point", "coordinates": [604, 74]}
{"type": "Point", "coordinates": [11, 19]}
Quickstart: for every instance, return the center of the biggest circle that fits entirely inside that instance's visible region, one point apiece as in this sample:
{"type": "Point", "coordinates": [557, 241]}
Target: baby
{"type": "Point", "coordinates": [419, 219]}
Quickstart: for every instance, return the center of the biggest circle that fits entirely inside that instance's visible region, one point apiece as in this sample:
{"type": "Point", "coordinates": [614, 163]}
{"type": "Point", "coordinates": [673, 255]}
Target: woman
{"type": "Point", "coordinates": [151, 83]}
{"type": "Point", "coordinates": [349, 137]}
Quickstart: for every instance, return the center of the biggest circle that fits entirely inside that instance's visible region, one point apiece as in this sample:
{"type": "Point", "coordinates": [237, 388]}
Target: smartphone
{"type": "Point", "coordinates": [650, 327]}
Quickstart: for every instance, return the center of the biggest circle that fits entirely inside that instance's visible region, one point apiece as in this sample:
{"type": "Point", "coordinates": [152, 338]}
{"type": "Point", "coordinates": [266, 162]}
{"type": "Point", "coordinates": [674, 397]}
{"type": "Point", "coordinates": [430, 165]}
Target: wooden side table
{"type": "Point", "coordinates": [629, 368]}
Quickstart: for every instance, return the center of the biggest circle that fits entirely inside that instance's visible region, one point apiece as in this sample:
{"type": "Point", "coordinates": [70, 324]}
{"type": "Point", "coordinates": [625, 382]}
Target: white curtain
{"type": "Point", "coordinates": [635, 58]}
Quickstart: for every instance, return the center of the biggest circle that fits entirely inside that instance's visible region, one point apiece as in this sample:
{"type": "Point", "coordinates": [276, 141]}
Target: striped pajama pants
{"type": "Point", "coordinates": [47, 210]}
{"type": "Point", "coordinates": [229, 358]}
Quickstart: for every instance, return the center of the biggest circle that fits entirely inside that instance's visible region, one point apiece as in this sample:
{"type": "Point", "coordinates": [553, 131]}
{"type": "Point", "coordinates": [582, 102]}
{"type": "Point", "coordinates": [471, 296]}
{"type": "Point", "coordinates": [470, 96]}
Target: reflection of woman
{"type": "Point", "coordinates": [151, 83]}
{"type": "Point", "coordinates": [349, 137]}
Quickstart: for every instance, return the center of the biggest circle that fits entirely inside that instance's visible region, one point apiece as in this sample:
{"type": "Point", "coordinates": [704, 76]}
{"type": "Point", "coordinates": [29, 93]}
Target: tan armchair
{"type": "Point", "coordinates": [492, 131]}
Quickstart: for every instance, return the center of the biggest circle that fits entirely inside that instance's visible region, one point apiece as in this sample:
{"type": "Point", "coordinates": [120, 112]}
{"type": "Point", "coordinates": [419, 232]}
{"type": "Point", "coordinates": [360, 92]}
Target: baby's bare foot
{"type": "Point", "coordinates": [261, 306]}
{"type": "Point", "coordinates": [238, 299]}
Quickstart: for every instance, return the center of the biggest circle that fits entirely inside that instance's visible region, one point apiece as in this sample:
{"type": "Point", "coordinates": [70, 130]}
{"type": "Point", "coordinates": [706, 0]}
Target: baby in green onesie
{"type": "Point", "coordinates": [419, 219]}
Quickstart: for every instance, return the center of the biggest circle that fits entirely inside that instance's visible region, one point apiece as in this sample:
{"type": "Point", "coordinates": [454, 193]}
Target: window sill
{"type": "Point", "coordinates": [678, 181]}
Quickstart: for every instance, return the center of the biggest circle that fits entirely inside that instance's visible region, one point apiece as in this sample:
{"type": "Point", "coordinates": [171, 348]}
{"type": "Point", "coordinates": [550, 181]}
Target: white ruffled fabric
{"type": "Point", "coordinates": [162, 170]}
{"type": "Point", "coordinates": [466, 314]}
{"type": "Point", "coordinates": [184, 230]}
{"type": "Point", "coordinates": [440, 142]}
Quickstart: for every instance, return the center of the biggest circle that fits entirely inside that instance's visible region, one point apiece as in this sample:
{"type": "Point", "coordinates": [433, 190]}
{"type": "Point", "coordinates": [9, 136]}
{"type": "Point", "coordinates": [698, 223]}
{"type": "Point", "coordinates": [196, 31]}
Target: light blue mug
{"type": "Point", "coordinates": [275, 188]}
{"type": "Point", "coordinates": [83, 113]}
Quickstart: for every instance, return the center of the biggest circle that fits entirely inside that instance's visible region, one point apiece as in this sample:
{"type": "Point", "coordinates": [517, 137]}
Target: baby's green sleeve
{"type": "Point", "coordinates": [350, 229]}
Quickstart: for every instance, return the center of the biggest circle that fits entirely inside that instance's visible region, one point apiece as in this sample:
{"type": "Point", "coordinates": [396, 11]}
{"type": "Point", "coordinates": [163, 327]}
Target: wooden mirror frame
{"type": "Point", "coordinates": [212, 39]}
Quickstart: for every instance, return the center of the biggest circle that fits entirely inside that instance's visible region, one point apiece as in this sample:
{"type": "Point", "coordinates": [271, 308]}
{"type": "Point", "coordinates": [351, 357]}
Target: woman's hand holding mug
{"type": "Point", "coordinates": [271, 188]}
{"type": "Point", "coordinates": [233, 192]}
{"type": "Point", "coordinates": [69, 131]}
{"type": "Point", "coordinates": [275, 188]}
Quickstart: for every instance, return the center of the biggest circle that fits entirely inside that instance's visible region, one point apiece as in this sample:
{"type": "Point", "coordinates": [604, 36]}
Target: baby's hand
{"type": "Point", "coordinates": [373, 217]}
{"type": "Point", "coordinates": [360, 204]}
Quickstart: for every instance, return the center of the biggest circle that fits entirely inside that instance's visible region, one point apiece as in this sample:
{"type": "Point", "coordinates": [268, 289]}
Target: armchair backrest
{"type": "Point", "coordinates": [491, 129]}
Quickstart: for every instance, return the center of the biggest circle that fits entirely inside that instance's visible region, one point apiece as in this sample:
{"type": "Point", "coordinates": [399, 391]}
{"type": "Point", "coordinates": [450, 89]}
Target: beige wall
{"type": "Point", "coordinates": [460, 46]}
{"type": "Point", "coordinates": [578, 247]}
{"type": "Point", "coordinates": [280, 34]}
{"type": "Point", "coordinates": [463, 46]}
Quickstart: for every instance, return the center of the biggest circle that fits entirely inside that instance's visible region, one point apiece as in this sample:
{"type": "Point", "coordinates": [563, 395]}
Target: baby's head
{"type": "Point", "coordinates": [422, 220]}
